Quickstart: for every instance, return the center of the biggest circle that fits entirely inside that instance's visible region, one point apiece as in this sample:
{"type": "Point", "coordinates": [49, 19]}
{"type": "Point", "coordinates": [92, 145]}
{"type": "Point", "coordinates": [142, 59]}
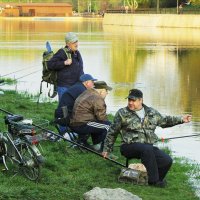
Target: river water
{"type": "Point", "coordinates": [164, 63]}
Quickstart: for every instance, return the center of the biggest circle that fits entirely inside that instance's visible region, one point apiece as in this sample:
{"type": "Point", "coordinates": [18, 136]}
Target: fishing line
{"type": "Point", "coordinates": [171, 138]}
{"type": "Point", "coordinates": [16, 71]}
{"type": "Point", "coordinates": [28, 74]}
{"type": "Point", "coordinates": [179, 137]}
{"type": "Point", "coordinates": [4, 83]}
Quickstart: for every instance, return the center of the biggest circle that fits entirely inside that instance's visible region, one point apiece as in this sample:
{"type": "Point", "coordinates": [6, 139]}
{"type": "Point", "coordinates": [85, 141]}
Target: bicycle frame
{"type": "Point", "coordinates": [20, 148]}
{"type": "Point", "coordinates": [21, 155]}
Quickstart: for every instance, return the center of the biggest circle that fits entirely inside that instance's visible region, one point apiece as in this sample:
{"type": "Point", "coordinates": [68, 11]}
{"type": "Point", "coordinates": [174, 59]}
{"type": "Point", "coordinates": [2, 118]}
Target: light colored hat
{"type": "Point", "coordinates": [71, 37]}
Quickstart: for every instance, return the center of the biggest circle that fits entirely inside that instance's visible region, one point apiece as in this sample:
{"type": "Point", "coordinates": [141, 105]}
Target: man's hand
{"type": "Point", "coordinates": [105, 154]}
{"type": "Point", "coordinates": [68, 62]}
{"type": "Point", "coordinates": [186, 118]}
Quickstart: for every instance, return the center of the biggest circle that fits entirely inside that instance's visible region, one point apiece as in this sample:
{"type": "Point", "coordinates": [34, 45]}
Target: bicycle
{"type": "Point", "coordinates": [18, 148]}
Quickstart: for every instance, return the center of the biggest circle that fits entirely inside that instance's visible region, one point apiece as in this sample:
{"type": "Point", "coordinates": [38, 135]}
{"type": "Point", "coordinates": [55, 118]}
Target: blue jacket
{"type": "Point", "coordinates": [68, 99]}
{"type": "Point", "coordinates": [68, 75]}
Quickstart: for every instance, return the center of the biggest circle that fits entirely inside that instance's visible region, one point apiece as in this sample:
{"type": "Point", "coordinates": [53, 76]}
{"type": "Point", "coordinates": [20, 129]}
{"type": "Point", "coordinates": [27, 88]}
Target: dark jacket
{"type": "Point", "coordinates": [132, 129]}
{"type": "Point", "coordinates": [68, 75]}
{"type": "Point", "coordinates": [88, 107]}
{"type": "Point", "coordinates": [68, 99]}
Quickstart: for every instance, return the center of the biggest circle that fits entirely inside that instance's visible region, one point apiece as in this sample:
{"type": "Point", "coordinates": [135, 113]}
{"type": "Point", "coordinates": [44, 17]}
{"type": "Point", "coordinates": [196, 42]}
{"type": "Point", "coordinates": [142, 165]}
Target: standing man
{"type": "Point", "coordinates": [137, 124]}
{"type": "Point", "coordinates": [89, 114]}
{"type": "Point", "coordinates": [69, 69]}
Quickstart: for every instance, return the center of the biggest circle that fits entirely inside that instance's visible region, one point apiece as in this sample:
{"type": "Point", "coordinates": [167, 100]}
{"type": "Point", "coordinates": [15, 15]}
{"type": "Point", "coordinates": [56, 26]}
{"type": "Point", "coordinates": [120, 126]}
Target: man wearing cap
{"type": "Point", "coordinates": [137, 123]}
{"type": "Point", "coordinates": [69, 69]}
{"type": "Point", "coordinates": [86, 81]}
{"type": "Point", "coordinates": [89, 114]}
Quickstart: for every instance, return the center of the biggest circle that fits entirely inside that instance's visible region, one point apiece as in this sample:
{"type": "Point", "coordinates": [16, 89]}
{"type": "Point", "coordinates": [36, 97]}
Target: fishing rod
{"type": "Point", "coordinates": [73, 142]}
{"type": "Point", "coordinates": [178, 137]}
{"type": "Point", "coordinates": [4, 83]}
{"type": "Point", "coordinates": [16, 71]}
{"type": "Point", "coordinates": [171, 138]}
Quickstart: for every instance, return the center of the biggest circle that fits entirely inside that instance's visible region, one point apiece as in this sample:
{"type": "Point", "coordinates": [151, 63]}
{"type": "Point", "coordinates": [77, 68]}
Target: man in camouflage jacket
{"type": "Point", "coordinates": [136, 123]}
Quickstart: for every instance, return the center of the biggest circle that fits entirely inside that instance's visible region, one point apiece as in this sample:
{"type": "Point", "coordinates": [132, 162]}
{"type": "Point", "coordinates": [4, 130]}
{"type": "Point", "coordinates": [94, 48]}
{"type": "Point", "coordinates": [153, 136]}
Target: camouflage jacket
{"type": "Point", "coordinates": [132, 129]}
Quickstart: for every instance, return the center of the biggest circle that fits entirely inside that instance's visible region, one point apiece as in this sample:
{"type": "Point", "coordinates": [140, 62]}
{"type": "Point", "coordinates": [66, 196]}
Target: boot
{"type": "Point", "coordinates": [97, 147]}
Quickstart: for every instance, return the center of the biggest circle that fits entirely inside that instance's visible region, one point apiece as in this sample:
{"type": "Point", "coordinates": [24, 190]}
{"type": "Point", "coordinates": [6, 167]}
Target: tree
{"type": "Point", "coordinates": [133, 4]}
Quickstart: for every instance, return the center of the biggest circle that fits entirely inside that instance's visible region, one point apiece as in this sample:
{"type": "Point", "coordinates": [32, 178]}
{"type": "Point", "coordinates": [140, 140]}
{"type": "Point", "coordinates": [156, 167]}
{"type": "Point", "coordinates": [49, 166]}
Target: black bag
{"type": "Point", "coordinates": [133, 176]}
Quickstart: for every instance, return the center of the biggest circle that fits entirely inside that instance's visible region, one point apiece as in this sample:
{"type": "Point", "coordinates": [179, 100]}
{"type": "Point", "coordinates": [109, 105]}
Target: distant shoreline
{"type": "Point", "coordinates": [51, 18]}
{"type": "Point", "coordinates": [153, 20]}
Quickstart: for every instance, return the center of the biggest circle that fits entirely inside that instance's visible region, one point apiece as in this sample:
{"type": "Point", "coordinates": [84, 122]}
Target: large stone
{"type": "Point", "coordinates": [138, 166]}
{"type": "Point", "coordinates": [109, 194]}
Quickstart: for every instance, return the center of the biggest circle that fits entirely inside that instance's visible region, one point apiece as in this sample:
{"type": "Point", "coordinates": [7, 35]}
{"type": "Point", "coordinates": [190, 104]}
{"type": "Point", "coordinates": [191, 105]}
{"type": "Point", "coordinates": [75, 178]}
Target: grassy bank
{"type": "Point", "coordinates": [68, 173]}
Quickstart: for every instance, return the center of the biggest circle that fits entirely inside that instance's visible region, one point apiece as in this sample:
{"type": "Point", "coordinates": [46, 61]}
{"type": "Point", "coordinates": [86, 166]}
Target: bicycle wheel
{"type": "Point", "coordinates": [11, 159]}
{"type": "Point", "coordinates": [31, 167]}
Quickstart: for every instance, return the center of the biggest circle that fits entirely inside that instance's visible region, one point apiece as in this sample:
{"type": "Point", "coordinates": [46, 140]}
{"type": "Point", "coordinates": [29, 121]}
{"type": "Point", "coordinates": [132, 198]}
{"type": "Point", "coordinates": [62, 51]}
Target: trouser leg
{"type": "Point", "coordinates": [82, 132]}
{"type": "Point", "coordinates": [156, 161]}
{"type": "Point", "coordinates": [164, 162]}
{"type": "Point", "coordinates": [98, 131]}
{"type": "Point", "coordinates": [61, 91]}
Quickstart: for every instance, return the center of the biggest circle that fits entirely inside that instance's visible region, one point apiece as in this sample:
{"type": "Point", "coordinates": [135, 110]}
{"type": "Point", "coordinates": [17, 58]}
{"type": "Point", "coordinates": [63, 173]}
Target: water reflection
{"type": "Point", "coordinates": [159, 36]}
{"type": "Point", "coordinates": [162, 62]}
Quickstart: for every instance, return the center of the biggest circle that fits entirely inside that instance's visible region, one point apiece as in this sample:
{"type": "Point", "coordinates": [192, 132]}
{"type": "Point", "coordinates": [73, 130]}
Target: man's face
{"type": "Point", "coordinates": [135, 104]}
{"type": "Point", "coordinates": [89, 84]}
{"type": "Point", "coordinates": [103, 93]}
{"type": "Point", "coordinates": [73, 46]}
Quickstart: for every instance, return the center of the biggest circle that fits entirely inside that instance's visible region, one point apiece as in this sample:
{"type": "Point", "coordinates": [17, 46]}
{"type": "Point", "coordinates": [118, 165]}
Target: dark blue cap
{"type": "Point", "coordinates": [135, 94]}
{"type": "Point", "coordinates": [86, 77]}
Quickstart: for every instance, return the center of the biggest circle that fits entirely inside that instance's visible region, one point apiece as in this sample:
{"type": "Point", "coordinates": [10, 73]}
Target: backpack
{"type": "Point", "coordinates": [50, 76]}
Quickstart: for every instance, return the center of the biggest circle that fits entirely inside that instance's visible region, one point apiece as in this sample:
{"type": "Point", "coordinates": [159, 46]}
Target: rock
{"type": "Point", "coordinates": [109, 194]}
{"type": "Point", "coordinates": [138, 166]}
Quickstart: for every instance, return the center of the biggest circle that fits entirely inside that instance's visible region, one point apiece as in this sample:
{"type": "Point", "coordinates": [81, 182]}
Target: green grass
{"type": "Point", "coordinates": [68, 173]}
{"type": "Point", "coordinates": [9, 81]}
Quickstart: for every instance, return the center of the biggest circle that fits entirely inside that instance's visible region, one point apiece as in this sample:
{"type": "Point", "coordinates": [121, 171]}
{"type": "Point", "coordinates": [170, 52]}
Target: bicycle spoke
{"type": "Point", "coordinates": [31, 168]}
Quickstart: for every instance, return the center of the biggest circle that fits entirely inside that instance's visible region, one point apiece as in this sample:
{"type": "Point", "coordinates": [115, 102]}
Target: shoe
{"type": "Point", "coordinates": [96, 147]}
{"type": "Point", "coordinates": [159, 184]}
{"type": "Point", "coordinates": [85, 144]}
{"type": "Point", "coordinates": [70, 136]}
{"type": "Point", "coordinates": [164, 182]}
{"type": "Point", "coordinates": [53, 138]}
